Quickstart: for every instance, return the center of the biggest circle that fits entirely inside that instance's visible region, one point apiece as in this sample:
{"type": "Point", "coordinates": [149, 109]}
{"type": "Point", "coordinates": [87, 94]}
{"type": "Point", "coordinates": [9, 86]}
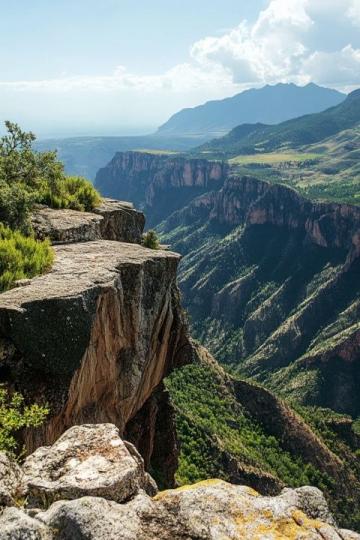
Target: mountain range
{"type": "Point", "coordinates": [191, 128]}
{"type": "Point", "coordinates": [307, 129]}
{"type": "Point", "coordinates": [267, 105]}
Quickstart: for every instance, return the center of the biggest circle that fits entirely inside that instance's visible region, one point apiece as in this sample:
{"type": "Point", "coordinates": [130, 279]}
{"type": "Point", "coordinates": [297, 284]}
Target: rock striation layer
{"type": "Point", "coordinates": [69, 494]}
{"type": "Point", "coordinates": [159, 184]}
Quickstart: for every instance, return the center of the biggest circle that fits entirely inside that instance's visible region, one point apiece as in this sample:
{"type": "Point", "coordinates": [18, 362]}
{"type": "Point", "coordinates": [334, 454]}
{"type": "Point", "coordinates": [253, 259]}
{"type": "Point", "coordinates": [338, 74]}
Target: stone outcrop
{"type": "Point", "coordinates": [112, 220]}
{"type": "Point", "coordinates": [87, 460]}
{"type": "Point", "coordinates": [159, 184]}
{"type": "Point", "coordinates": [95, 336]}
{"type": "Point", "coordinates": [94, 505]}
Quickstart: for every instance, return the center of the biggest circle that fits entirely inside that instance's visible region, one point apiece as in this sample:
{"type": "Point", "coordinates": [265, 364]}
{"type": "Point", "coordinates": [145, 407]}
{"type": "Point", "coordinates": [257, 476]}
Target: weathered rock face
{"type": "Point", "coordinates": [87, 460]}
{"type": "Point", "coordinates": [10, 477]}
{"type": "Point", "coordinates": [112, 220]}
{"type": "Point", "coordinates": [95, 336]}
{"type": "Point", "coordinates": [271, 282]}
{"type": "Point", "coordinates": [160, 184]}
{"type": "Point", "coordinates": [208, 510]}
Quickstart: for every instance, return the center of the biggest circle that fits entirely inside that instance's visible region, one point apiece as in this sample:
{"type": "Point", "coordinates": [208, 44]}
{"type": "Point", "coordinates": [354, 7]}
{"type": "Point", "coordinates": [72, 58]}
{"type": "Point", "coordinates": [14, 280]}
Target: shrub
{"type": "Point", "coordinates": [151, 240]}
{"type": "Point", "coordinates": [21, 257]}
{"type": "Point", "coordinates": [27, 176]}
{"type": "Point", "coordinates": [14, 416]}
{"type": "Point", "coordinates": [74, 192]}
{"type": "Point", "coordinates": [15, 206]}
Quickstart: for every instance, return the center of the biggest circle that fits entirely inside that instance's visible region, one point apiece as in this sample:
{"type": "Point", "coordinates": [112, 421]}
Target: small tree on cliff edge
{"type": "Point", "coordinates": [151, 240]}
{"type": "Point", "coordinates": [15, 415]}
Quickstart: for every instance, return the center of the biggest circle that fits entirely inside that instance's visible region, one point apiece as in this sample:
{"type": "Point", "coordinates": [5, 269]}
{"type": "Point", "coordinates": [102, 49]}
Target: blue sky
{"type": "Point", "coordinates": [120, 66]}
{"type": "Point", "coordinates": [47, 38]}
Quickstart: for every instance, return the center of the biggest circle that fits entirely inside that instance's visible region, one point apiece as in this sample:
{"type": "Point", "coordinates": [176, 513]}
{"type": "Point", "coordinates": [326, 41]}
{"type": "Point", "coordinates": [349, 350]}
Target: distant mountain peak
{"type": "Point", "coordinates": [270, 104]}
{"type": "Point", "coordinates": [303, 130]}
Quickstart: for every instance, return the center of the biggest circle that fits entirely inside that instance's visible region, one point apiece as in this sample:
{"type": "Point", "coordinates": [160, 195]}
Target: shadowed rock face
{"type": "Point", "coordinates": [95, 336]}
{"type": "Point", "coordinates": [159, 184]}
{"type": "Point", "coordinates": [112, 220]}
{"type": "Point", "coordinates": [69, 492]}
{"type": "Point", "coordinates": [271, 282]}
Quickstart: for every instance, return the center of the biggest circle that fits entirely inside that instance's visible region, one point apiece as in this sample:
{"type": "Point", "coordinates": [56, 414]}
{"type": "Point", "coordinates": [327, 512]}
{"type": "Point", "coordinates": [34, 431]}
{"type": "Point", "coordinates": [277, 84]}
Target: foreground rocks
{"type": "Point", "coordinates": [86, 460]}
{"type": "Point", "coordinates": [90, 485]}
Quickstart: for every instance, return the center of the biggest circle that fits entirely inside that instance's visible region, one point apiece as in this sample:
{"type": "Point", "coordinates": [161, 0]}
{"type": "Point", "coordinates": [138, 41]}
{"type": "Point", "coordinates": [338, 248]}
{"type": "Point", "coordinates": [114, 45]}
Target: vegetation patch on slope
{"type": "Point", "coordinates": [219, 437]}
{"type": "Point", "coordinates": [274, 157]}
{"type": "Point", "coordinates": [21, 257]}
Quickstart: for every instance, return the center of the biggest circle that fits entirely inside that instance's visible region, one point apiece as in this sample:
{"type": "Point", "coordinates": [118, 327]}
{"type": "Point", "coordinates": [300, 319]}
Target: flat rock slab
{"type": "Point", "coordinates": [112, 220]}
{"type": "Point", "coordinates": [82, 266]}
{"type": "Point", "coordinates": [87, 460]}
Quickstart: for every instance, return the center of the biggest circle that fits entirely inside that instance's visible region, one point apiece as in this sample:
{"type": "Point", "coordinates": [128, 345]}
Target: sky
{"type": "Point", "coordinates": [90, 67]}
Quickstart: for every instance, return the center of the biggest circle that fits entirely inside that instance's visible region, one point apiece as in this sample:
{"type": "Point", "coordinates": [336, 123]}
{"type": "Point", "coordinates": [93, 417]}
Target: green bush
{"type": "Point", "coordinates": [151, 240]}
{"type": "Point", "coordinates": [14, 416]}
{"type": "Point", "coordinates": [27, 176]}
{"type": "Point", "coordinates": [21, 257]}
{"type": "Point", "coordinates": [74, 192]}
{"type": "Point", "coordinates": [16, 203]}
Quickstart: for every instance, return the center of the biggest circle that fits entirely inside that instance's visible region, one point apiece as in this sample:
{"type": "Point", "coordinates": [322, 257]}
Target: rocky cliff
{"type": "Point", "coordinates": [271, 282]}
{"type": "Point", "coordinates": [159, 184]}
{"type": "Point", "coordinates": [96, 335]}
{"type": "Point", "coordinates": [95, 338]}
{"type": "Point", "coordinates": [90, 485]}
{"type": "Point", "coordinates": [112, 220]}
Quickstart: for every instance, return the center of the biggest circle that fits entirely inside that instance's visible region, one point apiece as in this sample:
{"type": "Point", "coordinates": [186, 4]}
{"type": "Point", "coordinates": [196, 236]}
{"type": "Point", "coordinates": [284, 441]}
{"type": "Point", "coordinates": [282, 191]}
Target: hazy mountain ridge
{"type": "Point", "coordinates": [86, 155]}
{"type": "Point", "coordinates": [300, 131]}
{"type": "Point", "coordinates": [267, 105]}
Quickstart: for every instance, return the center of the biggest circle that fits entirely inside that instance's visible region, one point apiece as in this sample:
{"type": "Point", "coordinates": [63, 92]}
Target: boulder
{"type": "Point", "coordinates": [215, 509]}
{"type": "Point", "coordinates": [87, 460]}
{"type": "Point", "coordinates": [15, 524]}
{"type": "Point", "coordinates": [210, 510]}
{"type": "Point", "coordinates": [10, 478]}
{"type": "Point", "coordinates": [93, 518]}
{"type": "Point", "coordinates": [311, 501]}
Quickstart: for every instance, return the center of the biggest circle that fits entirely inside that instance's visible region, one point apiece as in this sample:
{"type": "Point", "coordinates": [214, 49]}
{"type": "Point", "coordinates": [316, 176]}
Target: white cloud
{"type": "Point", "coordinates": [277, 47]}
{"type": "Point", "coordinates": [353, 12]}
{"type": "Point", "coordinates": [341, 66]}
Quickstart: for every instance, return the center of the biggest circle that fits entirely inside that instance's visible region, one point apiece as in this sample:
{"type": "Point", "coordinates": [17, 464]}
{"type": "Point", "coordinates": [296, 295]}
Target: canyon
{"type": "Point", "coordinates": [268, 277]}
{"type": "Point", "coordinates": [103, 338]}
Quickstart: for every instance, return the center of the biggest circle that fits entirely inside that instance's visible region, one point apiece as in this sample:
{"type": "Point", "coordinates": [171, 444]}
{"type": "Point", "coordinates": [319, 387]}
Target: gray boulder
{"type": "Point", "coordinates": [15, 524]}
{"type": "Point", "coordinates": [10, 478]}
{"type": "Point", "coordinates": [94, 518]}
{"type": "Point", "coordinates": [210, 510]}
{"type": "Point", "coordinates": [86, 460]}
